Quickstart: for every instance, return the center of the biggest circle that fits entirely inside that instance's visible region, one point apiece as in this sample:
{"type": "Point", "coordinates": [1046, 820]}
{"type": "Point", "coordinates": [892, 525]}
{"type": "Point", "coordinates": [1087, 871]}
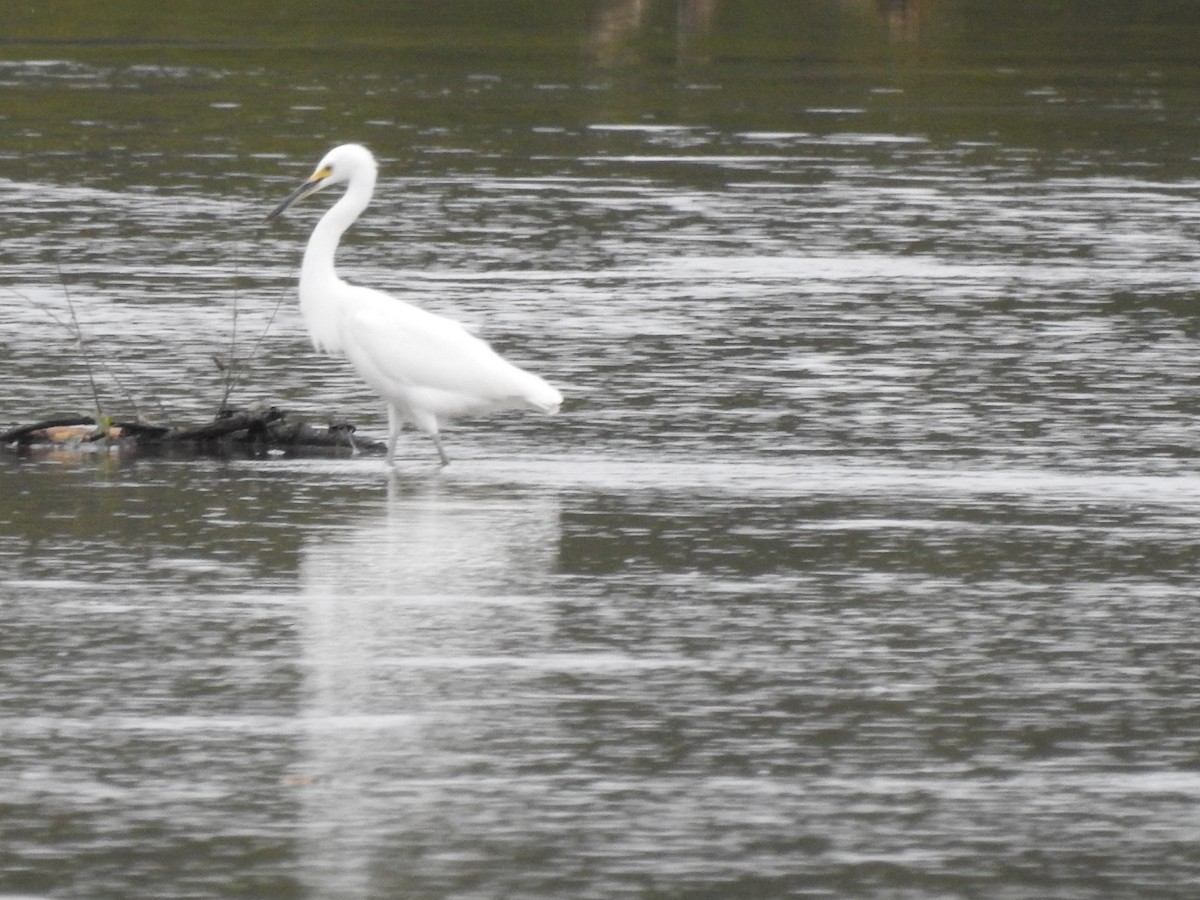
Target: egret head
{"type": "Point", "coordinates": [339, 164]}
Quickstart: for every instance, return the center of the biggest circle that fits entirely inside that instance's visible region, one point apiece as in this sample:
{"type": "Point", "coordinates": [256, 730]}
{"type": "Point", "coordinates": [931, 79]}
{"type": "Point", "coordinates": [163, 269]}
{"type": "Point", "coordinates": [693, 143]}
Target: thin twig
{"type": "Point", "coordinates": [76, 331]}
{"type": "Point", "coordinates": [236, 380]}
{"type": "Point", "coordinates": [230, 371]}
{"type": "Point", "coordinates": [79, 339]}
{"type": "Point", "coordinates": [39, 307]}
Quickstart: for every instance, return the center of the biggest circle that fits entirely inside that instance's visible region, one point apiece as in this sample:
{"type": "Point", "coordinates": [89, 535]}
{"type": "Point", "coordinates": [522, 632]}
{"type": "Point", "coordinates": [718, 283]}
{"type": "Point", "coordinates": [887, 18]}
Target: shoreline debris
{"type": "Point", "coordinates": [257, 430]}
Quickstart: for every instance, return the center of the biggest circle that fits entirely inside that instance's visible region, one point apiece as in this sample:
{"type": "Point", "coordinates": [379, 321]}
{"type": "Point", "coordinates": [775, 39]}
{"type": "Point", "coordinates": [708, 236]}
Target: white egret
{"type": "Point", "coordinates": [427, 368]}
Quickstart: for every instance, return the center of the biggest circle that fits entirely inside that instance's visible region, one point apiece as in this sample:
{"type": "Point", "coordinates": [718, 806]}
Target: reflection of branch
{"type": "Point", "coordinates": [617, 22]}
{"type": "Point", "coordinates": [695, 19]}
{"type": "Point", "coordinates": [903, 18]}
{"type": "Point", "coordinates": [620, 21]}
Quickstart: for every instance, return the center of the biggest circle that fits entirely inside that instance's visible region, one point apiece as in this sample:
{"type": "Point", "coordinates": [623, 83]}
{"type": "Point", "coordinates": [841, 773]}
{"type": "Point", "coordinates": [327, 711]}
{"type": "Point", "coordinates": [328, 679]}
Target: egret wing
{"type": "Point", "coordinates": [408, 352]}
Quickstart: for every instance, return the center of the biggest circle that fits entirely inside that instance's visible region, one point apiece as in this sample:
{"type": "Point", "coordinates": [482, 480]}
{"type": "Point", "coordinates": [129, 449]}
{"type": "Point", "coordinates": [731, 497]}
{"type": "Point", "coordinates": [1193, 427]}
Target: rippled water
{"type": "Point", "coordinates": [861, 561]}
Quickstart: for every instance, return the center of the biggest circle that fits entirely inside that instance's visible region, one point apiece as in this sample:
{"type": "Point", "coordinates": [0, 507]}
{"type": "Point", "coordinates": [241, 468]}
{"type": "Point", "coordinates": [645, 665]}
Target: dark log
{"type": "Point", "coordinates": [260, 429]}
{"type": "Point", "coordinates": [37, 432]}
{"type": "Point", "coordinates": [143, 431]}
{"type": "Point", "coordinates": [21, 434]}
{"type": "Point", "coordinates": [225, 425]}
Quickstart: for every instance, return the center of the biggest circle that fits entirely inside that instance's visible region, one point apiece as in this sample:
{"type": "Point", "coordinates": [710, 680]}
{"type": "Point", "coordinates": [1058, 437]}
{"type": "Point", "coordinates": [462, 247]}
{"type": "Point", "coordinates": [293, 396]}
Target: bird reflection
{"type": "Point", "coordinates": [421, 569]}
{"type": "Point", "coordinates": [402, 612]}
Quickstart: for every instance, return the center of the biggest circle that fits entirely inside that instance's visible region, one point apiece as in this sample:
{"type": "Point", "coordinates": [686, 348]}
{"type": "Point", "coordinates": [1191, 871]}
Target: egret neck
{"type": "Point", "coordinates": [318, 273]}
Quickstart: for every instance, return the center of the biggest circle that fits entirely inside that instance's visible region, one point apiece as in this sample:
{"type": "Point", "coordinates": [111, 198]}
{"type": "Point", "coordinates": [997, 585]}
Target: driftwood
{"type": "Point", "coordinates": [256, 430]}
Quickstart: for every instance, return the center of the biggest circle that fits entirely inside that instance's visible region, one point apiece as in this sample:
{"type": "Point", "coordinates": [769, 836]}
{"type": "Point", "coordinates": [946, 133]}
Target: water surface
{"type": "Point", "coordinates": [859, 563]}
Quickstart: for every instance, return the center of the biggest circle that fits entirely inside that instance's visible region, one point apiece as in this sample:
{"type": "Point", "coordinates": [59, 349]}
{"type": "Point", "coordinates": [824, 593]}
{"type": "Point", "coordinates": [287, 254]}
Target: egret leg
{"type": "Point", "coordinates": [437, 442]}
{"type": "Point", "coordinates": [394, 424]}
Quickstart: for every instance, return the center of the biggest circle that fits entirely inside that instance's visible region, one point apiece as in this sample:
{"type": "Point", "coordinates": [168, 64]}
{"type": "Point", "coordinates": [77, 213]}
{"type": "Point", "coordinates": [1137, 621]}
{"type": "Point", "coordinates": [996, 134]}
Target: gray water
{"type": "Point", "coordinates": [860, 562]}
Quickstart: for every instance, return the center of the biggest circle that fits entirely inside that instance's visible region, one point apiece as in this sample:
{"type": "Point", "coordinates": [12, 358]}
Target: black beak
{"type": "Point", "coordinates": [309, 187]}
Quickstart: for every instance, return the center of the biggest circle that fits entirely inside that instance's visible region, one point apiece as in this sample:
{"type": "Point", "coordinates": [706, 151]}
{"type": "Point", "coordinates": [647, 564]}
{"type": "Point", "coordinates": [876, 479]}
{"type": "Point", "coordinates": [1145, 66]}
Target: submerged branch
{"type": "Point", "coordinates": [262, 429]}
